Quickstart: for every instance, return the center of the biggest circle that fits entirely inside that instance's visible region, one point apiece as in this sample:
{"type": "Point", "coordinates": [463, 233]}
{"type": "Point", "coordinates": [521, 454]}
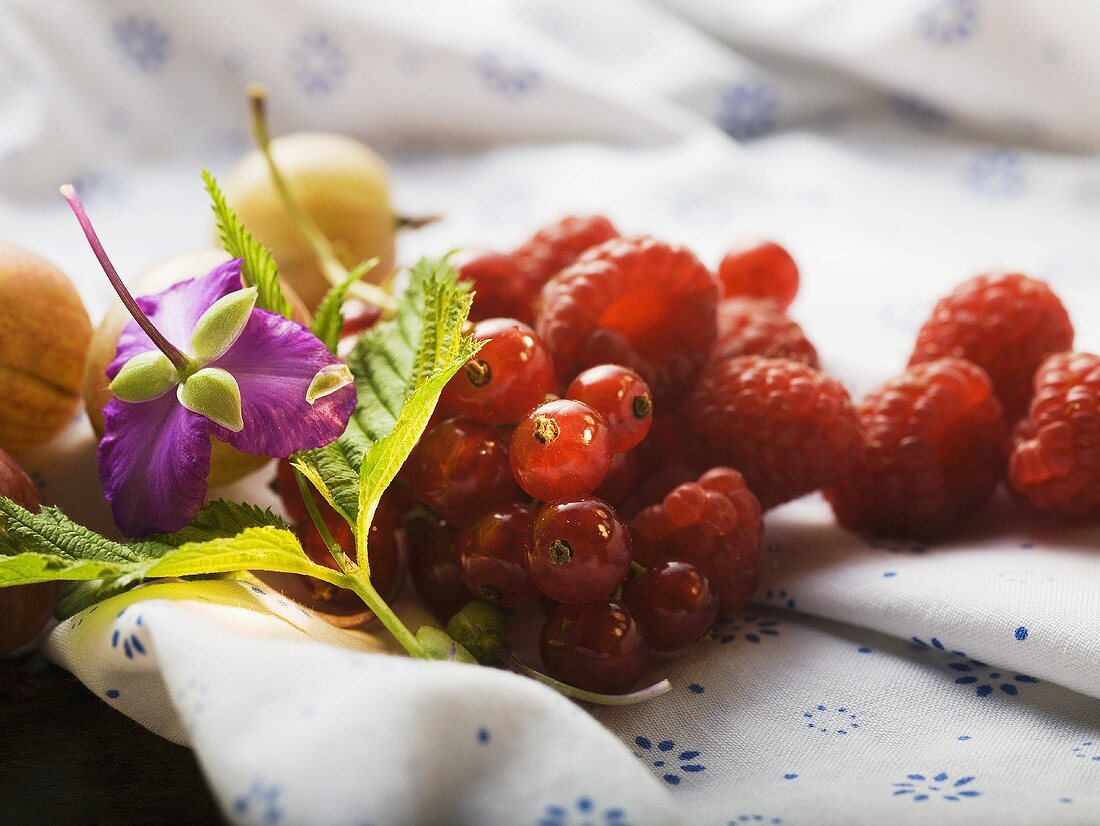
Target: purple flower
{"type": "Point", "coordinates": [199, 360]}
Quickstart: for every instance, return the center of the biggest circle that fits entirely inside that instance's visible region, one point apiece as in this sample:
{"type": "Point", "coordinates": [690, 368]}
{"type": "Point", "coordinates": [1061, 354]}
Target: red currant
{"type": "Point", "coordinates": [491, 554]}
{"type": "Point", "coordinates": [562, 449]}
{"type": "Point", "coordinates": [460, 468]}
{"type": "Point", "coordinates": [622, 397]}
{"type": "Point", "coordinates": [511, 374]}
{"type": "Point", "coordinates": [597, 647]}
{"type": "Point", "coordinates": [579, 550]}
{"type": "Point", "coordinates": [434, 567]}
{"type": "Point", "coordinates": [675, 603]}
{"type": "Point", "coordinates": [501, 288]}
{"type": "Point", "coordinates": [763, 270]}
{"type": "Point", "coordinates": [620, 479]}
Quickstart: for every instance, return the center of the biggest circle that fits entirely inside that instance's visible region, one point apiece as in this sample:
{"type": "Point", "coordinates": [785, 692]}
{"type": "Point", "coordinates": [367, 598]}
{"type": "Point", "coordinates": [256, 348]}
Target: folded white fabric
{"type": "Point", "coordinates": [894, 148]}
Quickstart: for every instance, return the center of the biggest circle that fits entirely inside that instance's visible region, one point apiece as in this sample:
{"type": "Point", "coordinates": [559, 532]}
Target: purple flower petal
{"type": "Point", "coordinates": [153, 462]}
{"type": "Point", "coordinates": [274, 361]}
{"type": "Point", "coordinates": [175, 311]}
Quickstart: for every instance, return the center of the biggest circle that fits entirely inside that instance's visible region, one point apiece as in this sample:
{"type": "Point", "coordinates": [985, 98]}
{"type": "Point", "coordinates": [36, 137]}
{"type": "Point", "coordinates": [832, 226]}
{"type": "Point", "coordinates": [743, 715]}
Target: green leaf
{"type": "Point", "coordinates": [328, 321]}
{"type": "Point", "coordinates": [258, 268]}
{"type": "Point", "coordinates": [400, 368]}
{"type": "Point", "coordinates": [221, 518]}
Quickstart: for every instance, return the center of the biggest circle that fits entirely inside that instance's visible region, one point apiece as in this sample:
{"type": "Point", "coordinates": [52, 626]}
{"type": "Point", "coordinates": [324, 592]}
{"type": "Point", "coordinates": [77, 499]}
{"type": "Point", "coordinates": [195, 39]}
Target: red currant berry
{"type": "Point", "coordinates": [598, 647]}
{"type": "Point", "coordinates": [491, 553]}
{"type": "Point", "coordinates": [460, 468]}
{"type": "Point", "coordinates": [434, 567]}
{"type": "Point", "coordinates": [562, 449]}
{"type": "Point", "coordinates": [620, 479]}
{"type": "Point", "coordinates": [675, 603]}
{"type": "Point", "coordinates": [763, 270]}
{"type": "Point", "coordinates": [622, 397]}
{"type": "Point", "coordinates": [511, 374]}
{"type": "Point", "coordinates": [579, 550]}
{"type": "Point", "coordinates": [501, 288]}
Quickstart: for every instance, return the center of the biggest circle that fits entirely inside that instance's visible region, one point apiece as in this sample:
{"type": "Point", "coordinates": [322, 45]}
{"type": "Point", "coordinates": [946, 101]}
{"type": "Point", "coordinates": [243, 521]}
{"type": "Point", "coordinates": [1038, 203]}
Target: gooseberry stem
{"type": "Point", "coordinates": [326, 256]}
{"type": "Point", "coordinates": [179, 359]}
{"type": "Point", "coordinates": [648, 693]}
{"type": "Point", "coordinates": [319, 522]}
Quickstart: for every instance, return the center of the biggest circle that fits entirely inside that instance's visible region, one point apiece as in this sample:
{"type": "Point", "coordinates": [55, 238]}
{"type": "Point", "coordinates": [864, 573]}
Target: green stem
{"type": "Point", "coordinates": [360, 583]}
{"type": "Point", "coordinates": [318, 242]}
{"type": "Point", "coordinates": [319, 522]}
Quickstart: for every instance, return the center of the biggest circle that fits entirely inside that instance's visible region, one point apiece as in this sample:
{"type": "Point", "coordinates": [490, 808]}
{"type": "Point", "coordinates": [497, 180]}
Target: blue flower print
{"type": "Point", "coordinates": [749, 627]}
{"type": "Point", "coordinates": [509, 76]}
{"type": "Point", "coordinates": [940, 786]}
{"type": "Point", "coordinates": [948, 22]}
{"type": "Point", "coordinates": [1087, 750]}
{"type": "Point", "coordinates": [669, 762]}
{"type": "Point", "coordinates": [260, 804]}
{"type": "Point", "coordinates": [837, 721]}
{"type": "Point", "coordinates": [127, 635]}
{"type": "Point", "coordinates": [995, 173]}
{"type": "Point", "coordinates": [317, 62]}
{"type": "Point", "coordinates": [584, 812]}
{"type": "Point", "coordinates": [748, 820]}
{"type": "Point", "coordinates": [144, 41]}
{"type": "Point", "coordinates": [975, 673]}
{"type": "Point", "coordinates": [781, 597]}
{"type": "Point", "coordinates": [747, 110]}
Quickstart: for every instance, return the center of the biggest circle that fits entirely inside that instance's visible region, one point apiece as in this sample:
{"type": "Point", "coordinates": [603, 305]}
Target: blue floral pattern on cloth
{"type": "Point", "coordinates": [1087, 750]}
{"type": "Point", "coordinates": [260, 804]}
{"type": "Point", "coordinates": [974, 673]}
{"type": "Point", "coordinates": [127, 635]}
{"type": "Point", "coordinates": [670, 763]}
{"type": "Point", "coordinates": [749, 627]}
{"type": "Point", "coordinates": [935, 787]}
{"type": "Point", "coordinates": [948, 22]}
{"type": "Point", "coordinates": [509, 76]}
{"type": "Point", "coordinates": [317, 62]}
{"type": "Point", "coordinates": [583, 812]}
{"type": "Point", "coordinates": [747, 110]}
{"type": "Point", "coordinates": [741, 820]}
{"type": "Point", "coordinates": [995, 173]}
{"type": "Point", "coordinates": [832, 720]}
{"type": "Point", "coordinates": [144, 41]}
{"type": "Point", "coordinates": [780, 597]}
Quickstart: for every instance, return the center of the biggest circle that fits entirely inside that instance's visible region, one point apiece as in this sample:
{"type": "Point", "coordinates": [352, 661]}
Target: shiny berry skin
{"type": "Point", "coordinates": [555, 247]}
{"type": "Point", "coordinates": [460, 468]}
{"type": "Point", "coordinates": [674, 602]}
{"type": "Point", "coordinates": [620, 479]}
{"type": "Point", "coordinates": [637, 302]}
{"type": "Point", "coordinates": [501, 288]}
{"type": "Point", "coordinates": [561, 449]}
{"type": "Point", "coordinates": [491, 553]}
{"type": "Point", "coordinates": [1055, 463]}
{"type": "Point", "coordinates": [622, 397]}
{"type": "Point", "coordinates": [757, 328]}
{"type": "Point", "coordinates": [761, 270]}
{"type": "Point", "coordinates": [788, 428]}
{"type": "Point", "coordinates": [1006, 324]}
{"type": "Point", "coordinates": [598, 647]}
{"type": "Point", "coordinates": [934, 452]}
{"type": "Point", "coordinates": [433, 564]}
{"type": "Point", "coordinates": [510, 375]}
{"type": "Point", "coordinates": [579, 551]}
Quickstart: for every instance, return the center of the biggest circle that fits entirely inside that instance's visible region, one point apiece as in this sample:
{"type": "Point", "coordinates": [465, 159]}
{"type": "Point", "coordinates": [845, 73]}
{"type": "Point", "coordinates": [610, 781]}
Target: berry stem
{"type": "Point", "coordinates": [359, 582]}
{"type": "Point", "coordinates": [649, 693]}
{"type": "Point", "coordinates": [322, 248]}
{"type": "Point", "coordinates": [179, 359]}
{"type": "Point", "coordinates": [319, 522]}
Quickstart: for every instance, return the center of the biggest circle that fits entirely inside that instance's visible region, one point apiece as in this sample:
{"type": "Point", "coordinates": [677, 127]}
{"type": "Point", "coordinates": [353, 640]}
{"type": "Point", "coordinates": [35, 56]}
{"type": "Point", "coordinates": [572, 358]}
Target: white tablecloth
{"type": "Point", "coordinates": [895, 148]}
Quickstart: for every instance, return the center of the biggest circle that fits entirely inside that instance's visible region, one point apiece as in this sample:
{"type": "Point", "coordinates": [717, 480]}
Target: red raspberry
{"type": "Point", "coordinates": [788, 428]}
{"type": "Point", "coordinates": [1004, 323]}
{"type": "Point", "coordinates": [637, 302]}
{"type": "Point", "coordinates": [1055, 460]}
{"type": "Point", "coordinates": [501, 288]}
{"type": "Point", "coordinates": [763, 270]}
{"type": "Point", "coordinates": [555, 247]}
{"type": "Point", "coordinates": [933, 453]}
{"type": "Point", "coordinates": [714, 523]}
{"type": "Point", "coordinates": [756, 328]}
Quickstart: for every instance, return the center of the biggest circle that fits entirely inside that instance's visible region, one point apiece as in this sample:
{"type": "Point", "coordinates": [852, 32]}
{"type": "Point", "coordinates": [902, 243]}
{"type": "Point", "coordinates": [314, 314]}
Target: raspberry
{"type": "Point", "coordinates": [763, 270]}
{"type": "Point", "coordinates": [756, 328]}
{"type": "Point", "coordinates": [636, 302]}
{"type": "Point", "coordinates": [555, 247]}
{"type": "Point", "coordinates": [934, 452]}
{"type": "Point", "coordinates": [1004, 323]}
{"type": "Point", "coordinates": [788, 428]}
{"type": "Point", "coordinates": [501, 288]}
{"type": "Point", "coordinates": [715, 524]}
{"type": "Point", "coordinates": [1055, 460]}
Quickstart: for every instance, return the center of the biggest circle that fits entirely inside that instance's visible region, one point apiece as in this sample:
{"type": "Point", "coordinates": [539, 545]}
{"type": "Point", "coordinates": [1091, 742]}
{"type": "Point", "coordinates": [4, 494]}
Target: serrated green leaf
{"type": "Point", "coordinates": [221, 518]}
{"type": "Point", "coordinates": [328, 321]}
{"type": "Point", "coordinates": [51, 533]}
{"type": "Point", "coordinates": [258, 267]}
{"type": "Point", "coordinates": [30, 567]}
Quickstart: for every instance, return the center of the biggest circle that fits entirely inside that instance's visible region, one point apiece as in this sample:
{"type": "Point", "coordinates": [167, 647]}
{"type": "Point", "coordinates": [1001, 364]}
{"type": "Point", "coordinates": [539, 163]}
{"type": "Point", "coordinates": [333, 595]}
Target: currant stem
{"type": "Point", "coordinates": [178, 358]}
{"type": "Point", "coordinates": [655, 690]}
{"type": "Point", "coordinates": [319, 522]}
{"type": "Point", "coordinates": [322, 248]}
{"type": "Point", "coordinates": [360, 583]}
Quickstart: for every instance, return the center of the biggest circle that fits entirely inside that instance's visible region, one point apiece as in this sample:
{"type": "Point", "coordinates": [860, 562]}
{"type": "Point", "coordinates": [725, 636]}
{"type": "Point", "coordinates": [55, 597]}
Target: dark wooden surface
{"type": "Point", "coordinates": [66, 757]}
